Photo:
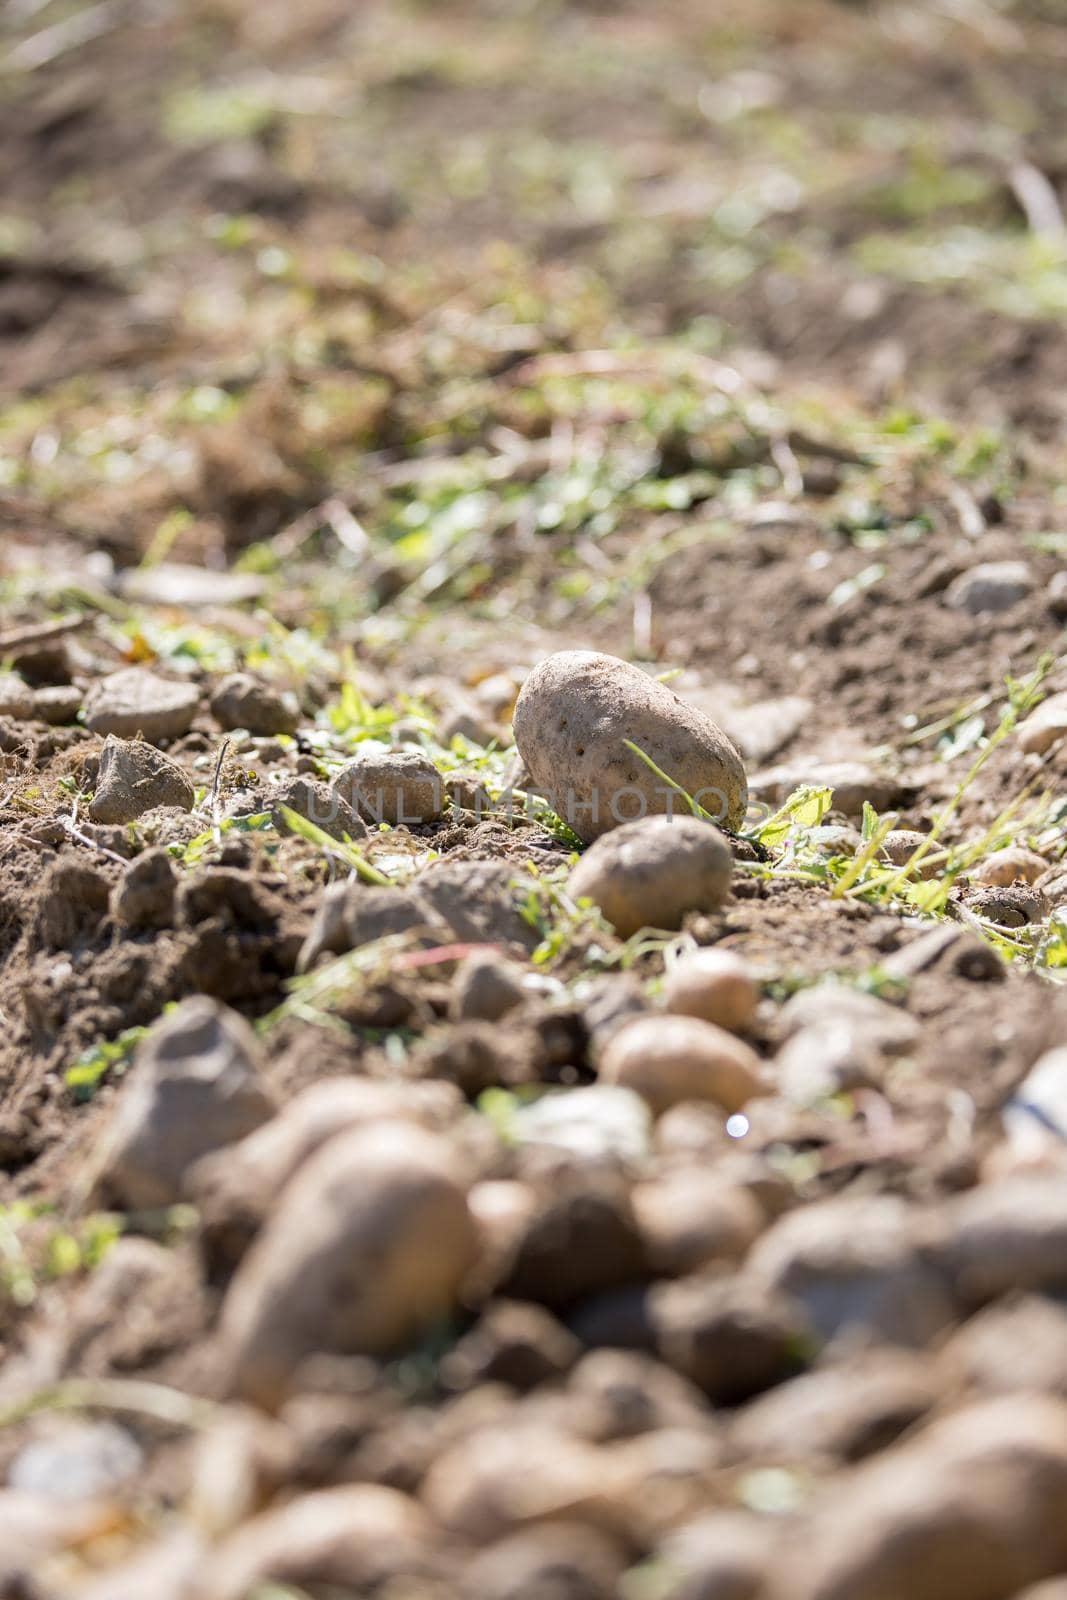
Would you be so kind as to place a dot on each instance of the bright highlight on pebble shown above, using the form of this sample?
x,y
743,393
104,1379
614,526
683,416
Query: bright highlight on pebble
x,y
737,1126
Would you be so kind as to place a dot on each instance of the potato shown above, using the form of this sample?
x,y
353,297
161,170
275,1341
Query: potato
x,y
571,720
368,1246
715,985
394,786
669,1059
649,874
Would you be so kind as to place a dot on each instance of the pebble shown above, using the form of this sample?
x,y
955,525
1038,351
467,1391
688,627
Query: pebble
x,y
854,1263
144,895
77,1461
970,1508
1013,906
1006,1236
135,777
730,1336
872,1022
170,583
762,729
1045,725
853,782
394,786
485,989
58,704
653,872
576,711
241,701
991,588
827,1059
593,1123
366,1248
900,844
669,1059
1057,593
715,985
316,802
196,1084
16,697
356,1539
135,701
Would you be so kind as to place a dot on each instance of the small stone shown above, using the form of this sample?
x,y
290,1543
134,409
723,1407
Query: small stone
x,y
827,1059
731,1337
690,1218
971,1508
1057,594
992,587
1045,726
852,782
900,844
195,1086
594,1122
1006,1236
77,1461
170,583
241,701
1035,1118
854,1263
955,950
356,1539
715,985
485,989
1011,865
581,1240
762,729
874,1022
555,1560
651,873
58,704
839,1413
1013,1345
316,802
135,701
394,786
518,1344
144,895
16,698
135,777
668,1059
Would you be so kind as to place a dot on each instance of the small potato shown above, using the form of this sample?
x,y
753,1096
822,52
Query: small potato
x,y
715,985
572,719
669,1059
394,786
367,1246
900,844
1011,865
649,874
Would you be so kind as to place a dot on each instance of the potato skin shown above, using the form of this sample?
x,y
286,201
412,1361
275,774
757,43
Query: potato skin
x,y
668,1059
576,710
649,874
366,1247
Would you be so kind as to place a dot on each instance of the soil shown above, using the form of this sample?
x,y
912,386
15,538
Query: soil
x,y
462,333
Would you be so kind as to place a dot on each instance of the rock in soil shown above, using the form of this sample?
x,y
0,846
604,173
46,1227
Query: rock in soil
x,y
1045,726
196,1084
485,989
136,702
144,896
366,1248
316,802
971,1508
576,712
652,873
993,587
241,701
16,697
135,777
394,786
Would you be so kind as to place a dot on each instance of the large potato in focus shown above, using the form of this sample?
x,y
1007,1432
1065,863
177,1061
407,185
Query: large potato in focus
x,y
576,710
367,1247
